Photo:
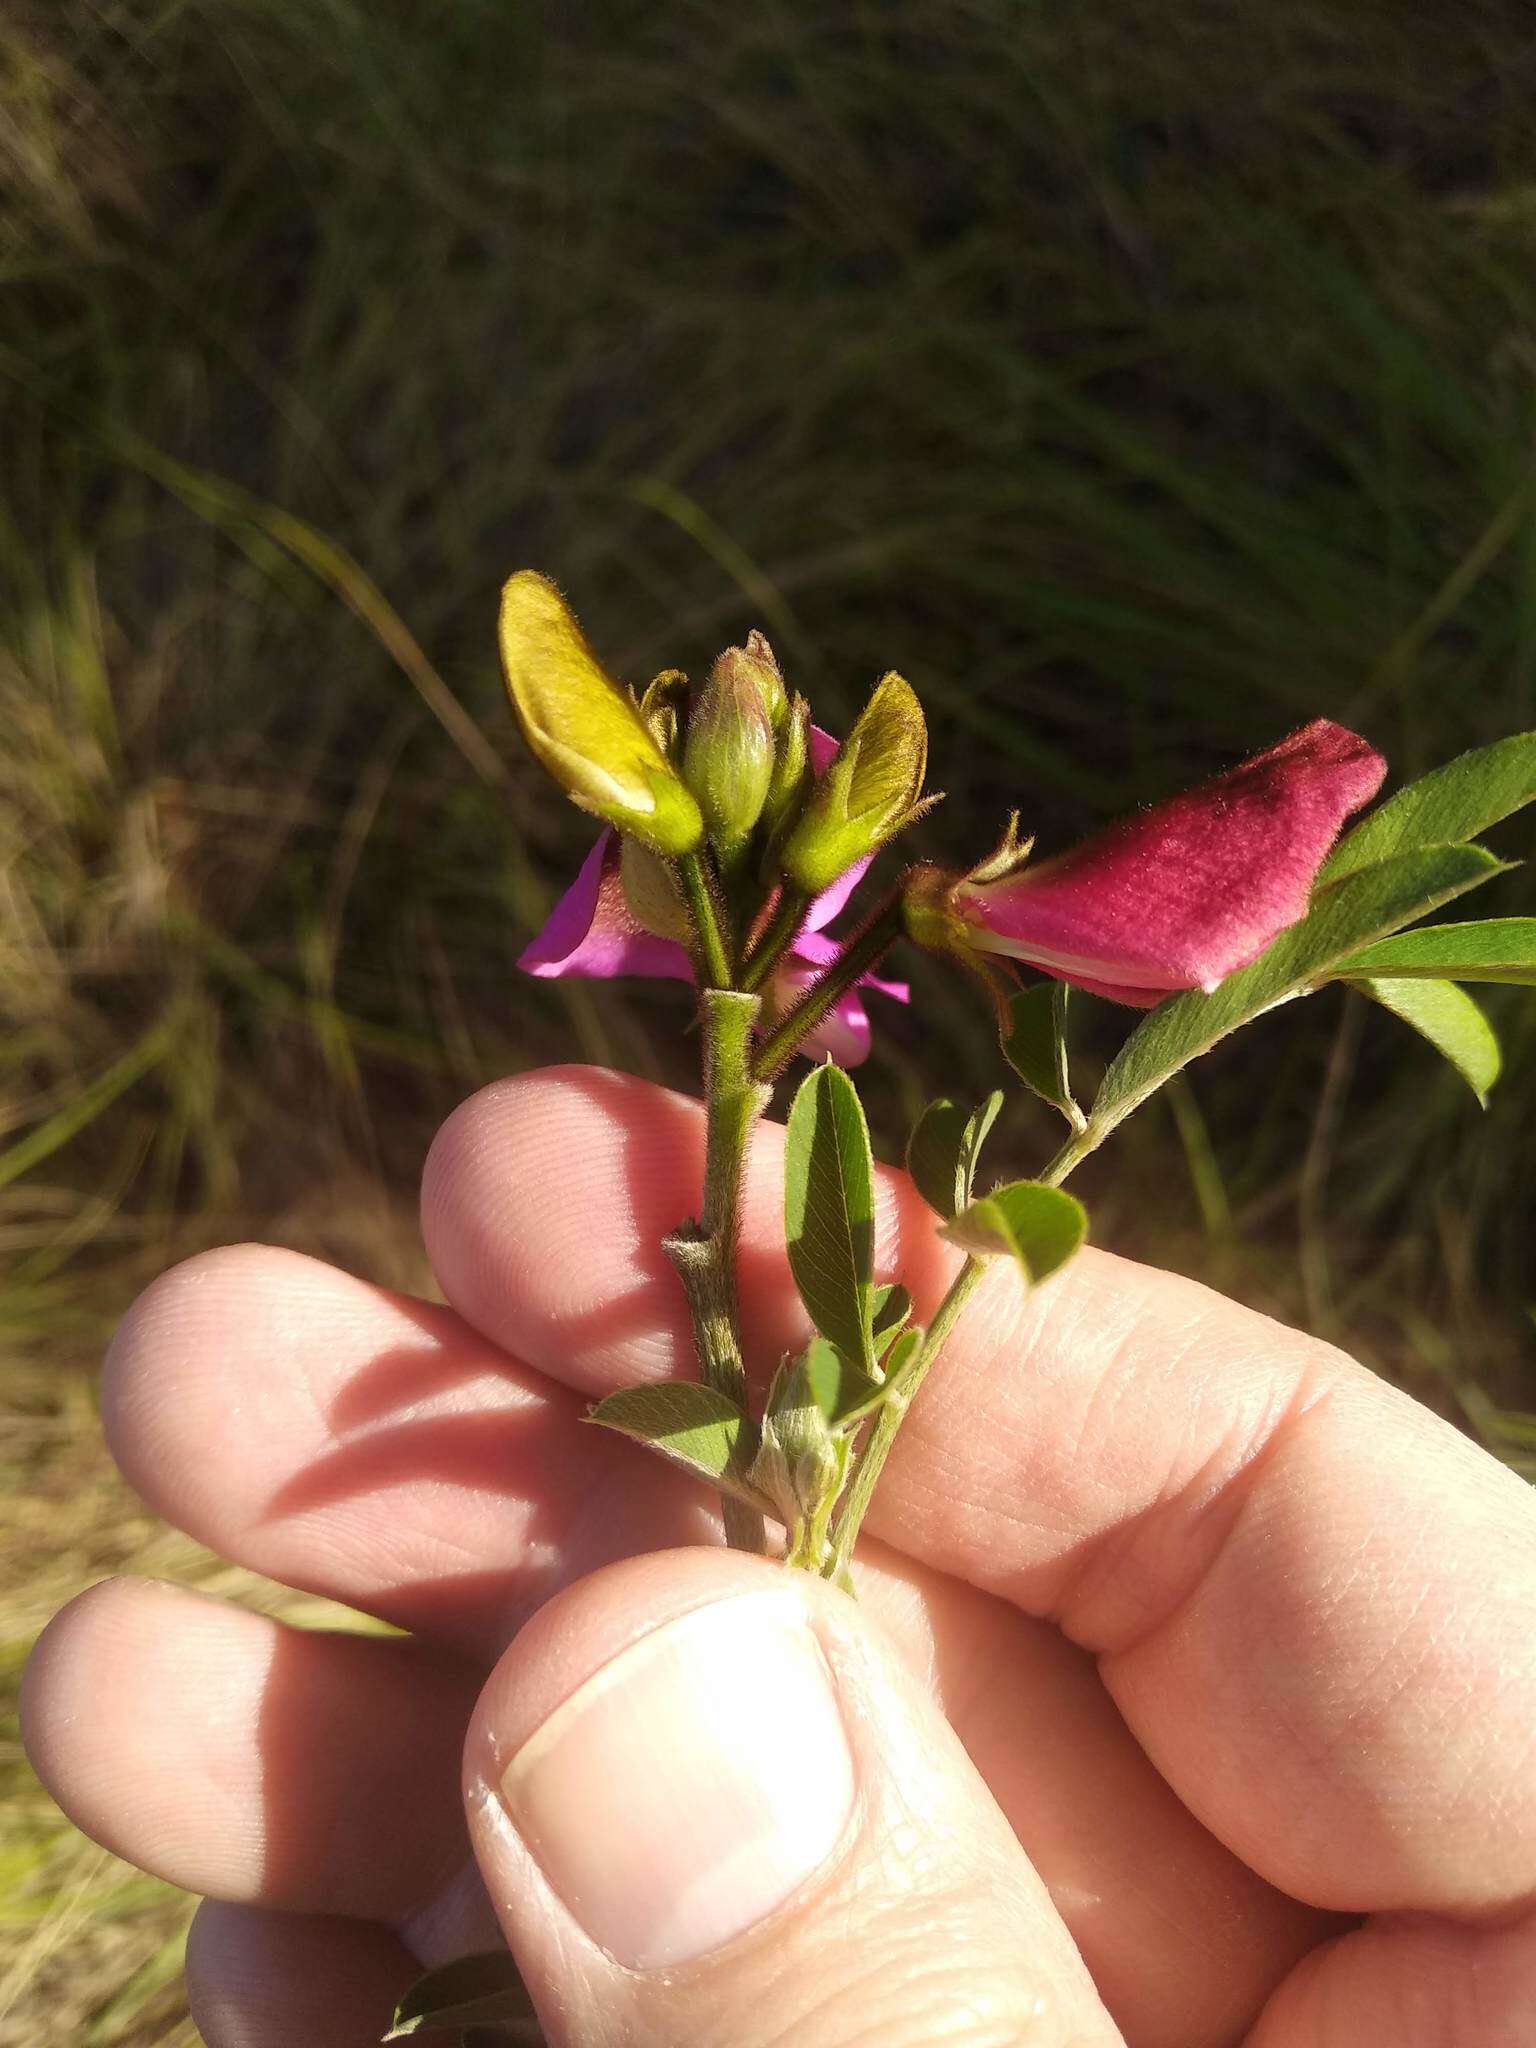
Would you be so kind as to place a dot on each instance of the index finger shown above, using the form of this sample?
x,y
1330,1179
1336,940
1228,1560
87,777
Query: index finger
x,y
1311,1599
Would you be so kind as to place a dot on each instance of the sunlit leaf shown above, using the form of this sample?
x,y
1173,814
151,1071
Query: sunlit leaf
x,y
840,1390
1453,803
693,1425
1352,913
1490,949
1040,1226
1451,1021
829,1210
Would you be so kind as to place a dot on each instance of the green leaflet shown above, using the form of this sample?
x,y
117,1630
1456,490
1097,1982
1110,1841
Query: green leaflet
x,y
694,1426
1035,1045
1353,912
1453,803
893,1309
1040,1226
1451,1021
840,1390
1491,949
945,1149
482,1996
829,1210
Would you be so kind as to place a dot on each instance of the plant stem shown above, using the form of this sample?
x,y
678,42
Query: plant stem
x,y
888,1417
705,1253
781,932
704,913
856,959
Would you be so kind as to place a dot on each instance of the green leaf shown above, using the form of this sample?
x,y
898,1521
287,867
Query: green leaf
x,y
694,1426
893,1309
1452,1022
840,1390
1353,912
1041,1226
829,1210
1492,949
1035,1045
900,1357
484,1992
1454,803
944,1151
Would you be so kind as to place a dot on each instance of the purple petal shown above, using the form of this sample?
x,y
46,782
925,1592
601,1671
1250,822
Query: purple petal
x,y
820,951
591,931
1182,895
844,1032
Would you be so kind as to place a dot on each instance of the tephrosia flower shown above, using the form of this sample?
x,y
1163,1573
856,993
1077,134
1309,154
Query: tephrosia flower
x,y
751,763
1177,897
594,932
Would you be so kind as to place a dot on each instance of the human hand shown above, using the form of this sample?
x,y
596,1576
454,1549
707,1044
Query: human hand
x,y
1232,1638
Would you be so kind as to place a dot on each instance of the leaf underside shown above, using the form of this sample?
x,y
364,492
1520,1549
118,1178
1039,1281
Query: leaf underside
x,y
1449,1019
693,1425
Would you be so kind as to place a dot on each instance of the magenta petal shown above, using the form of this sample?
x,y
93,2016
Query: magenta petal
x,y
1182,895
820,951
590,931
822,746
844,1032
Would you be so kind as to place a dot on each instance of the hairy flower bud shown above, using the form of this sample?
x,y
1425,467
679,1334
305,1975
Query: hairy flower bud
x,y
871,790
728,755
659,710
792,769
757,658
582,728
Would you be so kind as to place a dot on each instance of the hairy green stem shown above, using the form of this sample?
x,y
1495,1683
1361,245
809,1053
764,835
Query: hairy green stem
x,y
705,1253
782,930
714,957
862,951
889,1415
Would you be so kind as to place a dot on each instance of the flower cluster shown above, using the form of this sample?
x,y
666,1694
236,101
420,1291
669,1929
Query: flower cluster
x,y
1176,897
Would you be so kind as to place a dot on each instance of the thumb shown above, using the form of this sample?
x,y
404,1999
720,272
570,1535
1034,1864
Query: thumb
x,y
714,1810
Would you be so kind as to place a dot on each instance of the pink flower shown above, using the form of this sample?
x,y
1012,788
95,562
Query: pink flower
x,y
1180,896
591,932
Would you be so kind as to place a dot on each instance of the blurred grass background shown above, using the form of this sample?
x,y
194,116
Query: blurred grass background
x,y
1141,377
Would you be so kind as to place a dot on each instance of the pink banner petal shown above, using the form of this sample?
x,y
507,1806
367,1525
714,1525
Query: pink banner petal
x,y
1182,895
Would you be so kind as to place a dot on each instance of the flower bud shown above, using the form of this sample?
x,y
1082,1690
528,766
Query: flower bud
x,y
582,728
758,658
652,897
870,791
660,713
728,756
792,772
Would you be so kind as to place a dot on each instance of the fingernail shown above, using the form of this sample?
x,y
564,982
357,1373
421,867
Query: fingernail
x,y
690,1786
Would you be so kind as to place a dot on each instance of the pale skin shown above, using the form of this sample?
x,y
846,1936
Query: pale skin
x,y
1237,1642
